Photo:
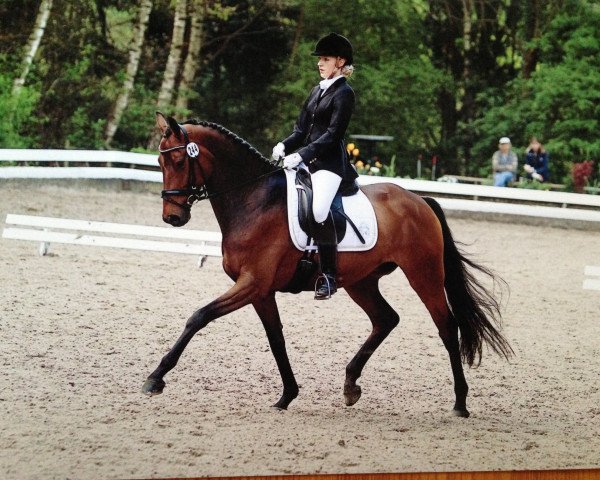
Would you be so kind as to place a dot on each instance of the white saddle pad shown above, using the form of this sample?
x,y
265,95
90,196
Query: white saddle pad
x,y
357,207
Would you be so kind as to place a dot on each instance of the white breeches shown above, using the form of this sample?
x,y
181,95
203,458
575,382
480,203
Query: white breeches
x,y
325,186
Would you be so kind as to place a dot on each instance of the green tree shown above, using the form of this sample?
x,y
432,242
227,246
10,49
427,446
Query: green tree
x,y
16,110
559,102
394,81
244,48
474,42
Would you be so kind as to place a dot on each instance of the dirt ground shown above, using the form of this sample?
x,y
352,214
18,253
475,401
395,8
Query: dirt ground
x,y
82,328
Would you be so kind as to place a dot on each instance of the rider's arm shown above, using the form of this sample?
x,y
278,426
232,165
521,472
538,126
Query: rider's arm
x,y
296,139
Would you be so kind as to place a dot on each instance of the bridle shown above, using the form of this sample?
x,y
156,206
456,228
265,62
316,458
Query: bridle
x,y
192,191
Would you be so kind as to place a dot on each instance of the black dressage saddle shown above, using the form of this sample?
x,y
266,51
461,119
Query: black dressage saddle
x,y
340,218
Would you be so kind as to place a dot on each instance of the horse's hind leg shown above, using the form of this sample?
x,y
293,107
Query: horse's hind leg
x,y
367,295
269,315
428,281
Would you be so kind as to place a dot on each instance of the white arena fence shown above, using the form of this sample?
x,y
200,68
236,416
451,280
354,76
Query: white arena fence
x,y
592,282
452,196
64,157
50,230
81,156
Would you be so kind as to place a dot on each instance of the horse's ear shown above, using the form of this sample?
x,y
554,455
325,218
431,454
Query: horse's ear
x,y
161,122
174,125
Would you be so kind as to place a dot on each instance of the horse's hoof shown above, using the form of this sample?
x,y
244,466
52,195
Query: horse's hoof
x,y
280,405
283,403
464,413
352,395
153,387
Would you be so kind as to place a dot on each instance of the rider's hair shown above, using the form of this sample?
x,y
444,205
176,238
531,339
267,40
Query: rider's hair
x,y
347,70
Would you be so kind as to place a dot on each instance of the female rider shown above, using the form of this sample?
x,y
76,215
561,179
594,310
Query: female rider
x,y
317,141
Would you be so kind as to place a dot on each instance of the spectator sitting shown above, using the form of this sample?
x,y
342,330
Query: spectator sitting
x,y
536,162
504,163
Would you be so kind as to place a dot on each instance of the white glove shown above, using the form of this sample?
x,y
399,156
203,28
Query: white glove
x,y
528,168
278,151
537,176
292,161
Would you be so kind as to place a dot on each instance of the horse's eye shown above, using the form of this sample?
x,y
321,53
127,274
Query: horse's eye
x,y
179,164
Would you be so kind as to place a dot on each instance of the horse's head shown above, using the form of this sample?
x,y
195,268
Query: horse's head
x,y
185,167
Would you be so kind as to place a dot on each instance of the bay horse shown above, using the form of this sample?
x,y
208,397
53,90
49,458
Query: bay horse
x,y
202,160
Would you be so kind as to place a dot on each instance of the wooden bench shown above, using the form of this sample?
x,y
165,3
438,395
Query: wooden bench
x,y
472,180
488,181
48,230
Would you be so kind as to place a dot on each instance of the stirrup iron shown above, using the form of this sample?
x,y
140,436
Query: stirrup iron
x,y
324,281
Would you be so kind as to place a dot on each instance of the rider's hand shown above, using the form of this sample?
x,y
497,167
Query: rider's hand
x,y
292,161
278,151
528,168
537,176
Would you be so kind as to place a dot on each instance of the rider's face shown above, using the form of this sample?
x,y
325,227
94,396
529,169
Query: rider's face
x,y
330,66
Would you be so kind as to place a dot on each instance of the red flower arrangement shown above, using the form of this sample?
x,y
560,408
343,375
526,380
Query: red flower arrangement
x,y
581,174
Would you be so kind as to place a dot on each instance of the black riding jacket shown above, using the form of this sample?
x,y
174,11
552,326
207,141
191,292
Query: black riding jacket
x,y
318,134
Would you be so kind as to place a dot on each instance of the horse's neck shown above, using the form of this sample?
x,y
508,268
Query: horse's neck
x,y
237,189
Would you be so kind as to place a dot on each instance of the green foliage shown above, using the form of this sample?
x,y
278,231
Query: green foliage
x,y
394,80
417,77
532,185
83,133
138,120
145,150
389,170
16,121
559,103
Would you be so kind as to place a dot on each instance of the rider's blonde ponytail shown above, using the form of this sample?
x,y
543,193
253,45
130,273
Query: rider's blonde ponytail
x,y
347,70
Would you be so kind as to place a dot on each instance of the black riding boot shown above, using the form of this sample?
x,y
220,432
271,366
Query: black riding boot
x,y
326,238
326,286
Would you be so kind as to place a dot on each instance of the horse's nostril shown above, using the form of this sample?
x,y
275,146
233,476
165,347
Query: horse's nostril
x,y
173,219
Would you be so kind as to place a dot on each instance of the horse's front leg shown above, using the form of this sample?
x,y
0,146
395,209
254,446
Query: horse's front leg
x,y
269,314
241,294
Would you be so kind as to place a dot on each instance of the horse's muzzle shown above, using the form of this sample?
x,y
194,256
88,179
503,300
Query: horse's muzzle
x,y
176,220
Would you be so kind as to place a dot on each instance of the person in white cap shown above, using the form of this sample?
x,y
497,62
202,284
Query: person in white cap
x,y
504,164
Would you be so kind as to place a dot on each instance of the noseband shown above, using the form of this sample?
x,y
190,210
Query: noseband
x,y
192,191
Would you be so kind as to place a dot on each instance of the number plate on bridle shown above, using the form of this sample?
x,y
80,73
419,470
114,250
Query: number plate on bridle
x,y
192,150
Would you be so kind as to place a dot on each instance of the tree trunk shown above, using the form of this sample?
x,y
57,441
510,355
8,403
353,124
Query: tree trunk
x,y
101,9
468,97
135,53
192,59
532,31
297,36
33,43
446,25
165,95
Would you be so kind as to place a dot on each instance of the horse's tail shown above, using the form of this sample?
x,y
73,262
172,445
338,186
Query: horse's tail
x,y
472,305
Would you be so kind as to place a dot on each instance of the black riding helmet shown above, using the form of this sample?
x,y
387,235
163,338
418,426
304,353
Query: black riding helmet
x,y
334,45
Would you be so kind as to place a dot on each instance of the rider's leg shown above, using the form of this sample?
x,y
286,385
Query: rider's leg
x,y
325,186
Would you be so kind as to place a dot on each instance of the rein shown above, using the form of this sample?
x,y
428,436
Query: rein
x,y
192,191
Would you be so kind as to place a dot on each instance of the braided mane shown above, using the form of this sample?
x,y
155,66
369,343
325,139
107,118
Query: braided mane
x,y
232,136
